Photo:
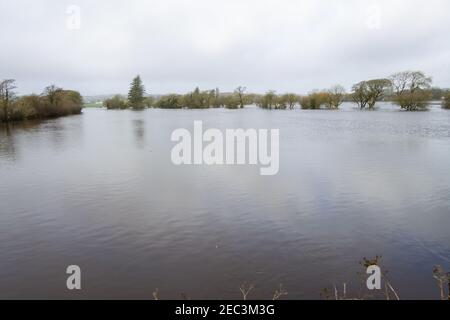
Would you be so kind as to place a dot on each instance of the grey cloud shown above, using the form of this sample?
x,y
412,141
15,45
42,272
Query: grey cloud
x,y
287,45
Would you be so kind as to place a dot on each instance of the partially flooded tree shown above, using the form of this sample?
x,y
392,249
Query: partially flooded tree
x,y
375,90
240,92
446,102
217,102
334,97
136,94
210,98
196,99
368,93
170,101
360,94
411,90
6,96
252,98
313,101
289,100
231,101
116,102
269,100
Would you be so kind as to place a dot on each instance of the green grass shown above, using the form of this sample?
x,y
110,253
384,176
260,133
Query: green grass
x,y
93,105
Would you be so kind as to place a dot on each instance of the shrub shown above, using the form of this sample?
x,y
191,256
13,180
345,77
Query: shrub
x,y
288,100
231,101
413,101
170,101
116,102
313,101
334,97
269,101
412,90
446,102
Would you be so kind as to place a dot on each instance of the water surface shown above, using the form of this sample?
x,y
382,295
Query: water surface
x,y
99,190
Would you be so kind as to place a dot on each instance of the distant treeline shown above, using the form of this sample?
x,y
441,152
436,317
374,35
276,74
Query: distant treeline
x,y
410,90
53,102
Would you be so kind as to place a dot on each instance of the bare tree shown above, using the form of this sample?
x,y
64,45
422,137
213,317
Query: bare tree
x,y
334,97
289,100
442,279
6,95
245,290
240,91
368,93
411,89
359,94
52,93
375,90
446,101
279,293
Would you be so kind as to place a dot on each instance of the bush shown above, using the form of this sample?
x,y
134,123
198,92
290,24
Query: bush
x,y
446,102
198,99
230,101
288,100
170,101
61,103
413,101
313,101
412,90
116,102
269,101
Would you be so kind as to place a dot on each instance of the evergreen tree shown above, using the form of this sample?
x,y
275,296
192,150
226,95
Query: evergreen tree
x,y
136,94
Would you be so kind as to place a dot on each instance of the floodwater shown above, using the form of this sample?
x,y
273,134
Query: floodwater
x,y
99,191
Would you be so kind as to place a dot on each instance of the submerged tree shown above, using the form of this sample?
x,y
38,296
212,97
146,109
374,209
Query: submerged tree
x,y
116,102
6,96
446,102
240,92
269,100
136,94
411,90
334,97
360,94
217,102
197,99
313,101
368,93
376,89
231,101
289,100
170,101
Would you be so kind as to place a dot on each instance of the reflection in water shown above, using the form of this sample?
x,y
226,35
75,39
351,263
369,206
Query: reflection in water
x,y
9,133
7,149
139,132
88,190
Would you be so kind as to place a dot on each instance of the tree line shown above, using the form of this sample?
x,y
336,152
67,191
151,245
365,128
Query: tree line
x,y
196,99
410,90
53,102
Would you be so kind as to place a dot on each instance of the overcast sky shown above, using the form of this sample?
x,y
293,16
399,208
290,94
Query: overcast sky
x,y
96,47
